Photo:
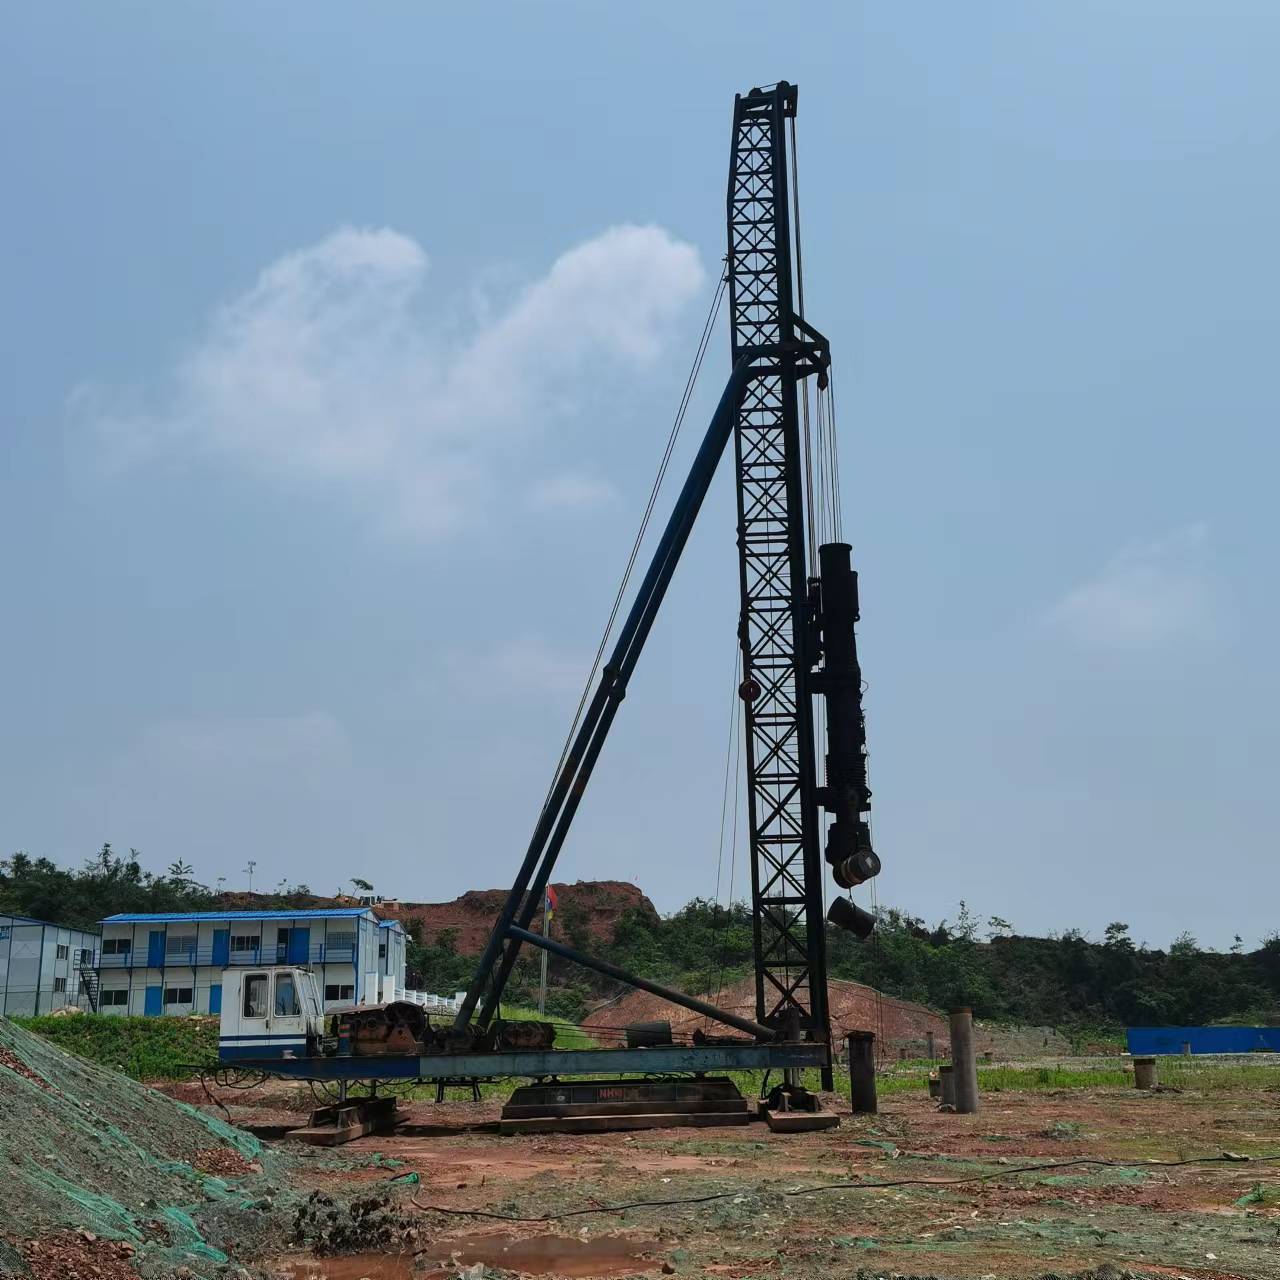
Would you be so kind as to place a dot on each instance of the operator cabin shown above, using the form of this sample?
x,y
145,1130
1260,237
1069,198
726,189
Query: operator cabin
x,y
174,963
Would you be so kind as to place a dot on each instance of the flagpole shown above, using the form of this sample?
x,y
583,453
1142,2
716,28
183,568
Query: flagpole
x,y
546,931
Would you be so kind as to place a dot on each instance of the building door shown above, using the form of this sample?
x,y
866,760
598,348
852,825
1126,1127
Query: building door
x,y
299,946
221,949
154,1005
215,998
155,949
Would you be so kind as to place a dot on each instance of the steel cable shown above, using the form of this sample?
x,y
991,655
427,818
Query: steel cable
x,y
686,397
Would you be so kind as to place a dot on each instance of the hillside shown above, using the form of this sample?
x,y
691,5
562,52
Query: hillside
x,y
590,910
1066,980
899,1025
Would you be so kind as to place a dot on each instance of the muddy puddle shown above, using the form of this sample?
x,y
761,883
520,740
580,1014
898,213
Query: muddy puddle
x,y
534,1255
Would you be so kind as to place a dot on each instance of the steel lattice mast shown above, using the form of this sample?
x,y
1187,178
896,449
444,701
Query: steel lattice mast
x,y
796,634
786,860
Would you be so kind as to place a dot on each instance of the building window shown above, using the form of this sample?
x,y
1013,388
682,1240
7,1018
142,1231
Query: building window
x,y
117,946
287,1005
86,956
245,942
63,952
179,944
342,941
255,995
178,995
382,951
339,991
59,984
112,998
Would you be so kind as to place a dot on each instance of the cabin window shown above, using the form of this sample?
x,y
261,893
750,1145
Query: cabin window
x,y
179,944
118,997
255,995
287,1005
339,991
178,995
117,946
245,942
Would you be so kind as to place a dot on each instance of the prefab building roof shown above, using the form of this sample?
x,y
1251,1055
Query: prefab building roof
x,y
197,917
47,924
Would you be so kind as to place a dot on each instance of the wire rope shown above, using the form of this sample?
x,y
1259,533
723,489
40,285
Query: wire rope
x,y
685,398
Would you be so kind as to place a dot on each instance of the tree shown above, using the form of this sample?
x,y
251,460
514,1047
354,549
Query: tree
x,y
363,885
1117,936
998,927
180,871
967,923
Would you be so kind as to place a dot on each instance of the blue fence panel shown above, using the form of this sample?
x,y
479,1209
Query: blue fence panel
x,y
1157,1040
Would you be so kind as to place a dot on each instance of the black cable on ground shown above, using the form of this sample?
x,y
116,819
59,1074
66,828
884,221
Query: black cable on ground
x,y
880,1185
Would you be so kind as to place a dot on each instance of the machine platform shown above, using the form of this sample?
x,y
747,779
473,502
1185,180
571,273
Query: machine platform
x,y
540,1064
593,1106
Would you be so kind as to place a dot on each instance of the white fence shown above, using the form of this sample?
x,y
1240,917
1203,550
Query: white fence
x,y
433,1003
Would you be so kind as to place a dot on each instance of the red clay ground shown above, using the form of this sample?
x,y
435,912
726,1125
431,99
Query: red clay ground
x,y
1201,1221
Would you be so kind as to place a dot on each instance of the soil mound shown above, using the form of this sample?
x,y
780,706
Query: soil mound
x,y
598,905
94,1160
899,1025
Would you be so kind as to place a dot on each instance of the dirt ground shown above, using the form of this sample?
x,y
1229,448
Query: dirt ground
x,y
767,1205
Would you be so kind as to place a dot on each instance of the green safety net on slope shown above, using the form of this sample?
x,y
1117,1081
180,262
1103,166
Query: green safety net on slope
x,y
84,1147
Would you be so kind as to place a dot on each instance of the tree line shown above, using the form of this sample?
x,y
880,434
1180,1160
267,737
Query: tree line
x,y
1066,980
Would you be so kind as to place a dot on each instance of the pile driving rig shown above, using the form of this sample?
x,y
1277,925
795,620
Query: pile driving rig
x,y
798,654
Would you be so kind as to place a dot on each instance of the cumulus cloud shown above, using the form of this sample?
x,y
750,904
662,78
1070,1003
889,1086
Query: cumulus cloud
x,y
330,373
1147,596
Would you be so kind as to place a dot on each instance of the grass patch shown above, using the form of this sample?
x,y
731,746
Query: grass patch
x,y
568,1036
144,1048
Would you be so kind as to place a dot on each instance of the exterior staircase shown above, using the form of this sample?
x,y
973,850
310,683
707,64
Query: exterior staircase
x,y
90,984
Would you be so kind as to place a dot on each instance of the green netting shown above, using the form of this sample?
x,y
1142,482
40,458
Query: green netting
x,y
84,1147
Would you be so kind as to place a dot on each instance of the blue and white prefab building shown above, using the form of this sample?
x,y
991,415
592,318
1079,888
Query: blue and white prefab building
x,y
173,963
43,966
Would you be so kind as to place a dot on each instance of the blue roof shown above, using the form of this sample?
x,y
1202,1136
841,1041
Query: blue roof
x,y
197,917
389,924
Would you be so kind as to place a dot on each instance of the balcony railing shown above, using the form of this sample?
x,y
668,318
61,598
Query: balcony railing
x,y
195,957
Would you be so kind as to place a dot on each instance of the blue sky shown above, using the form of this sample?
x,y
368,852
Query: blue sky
x,y
340,344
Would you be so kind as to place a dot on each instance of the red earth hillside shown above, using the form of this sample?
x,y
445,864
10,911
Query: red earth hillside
x,y
600,904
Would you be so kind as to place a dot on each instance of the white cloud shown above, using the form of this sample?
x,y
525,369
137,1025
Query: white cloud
x,y
248,744
216,790
528,664
1146,596
326,373
570,490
